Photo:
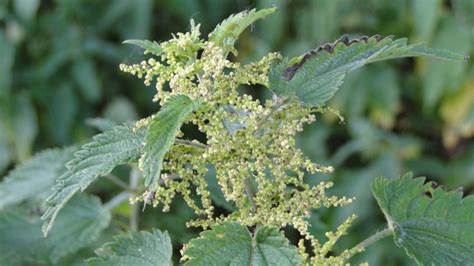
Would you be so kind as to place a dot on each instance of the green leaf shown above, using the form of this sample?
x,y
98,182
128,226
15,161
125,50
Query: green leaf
x,y
149,46
318,74
26,9
440,77
34,177
85,74
432,225
425,16
100,123
77,226
227,32
117,146
25,126
141,248
233,244
161,134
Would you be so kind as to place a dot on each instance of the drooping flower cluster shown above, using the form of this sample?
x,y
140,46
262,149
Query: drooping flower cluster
x,y
250,145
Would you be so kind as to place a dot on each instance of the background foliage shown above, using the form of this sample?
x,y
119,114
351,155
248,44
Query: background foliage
x,y
59,66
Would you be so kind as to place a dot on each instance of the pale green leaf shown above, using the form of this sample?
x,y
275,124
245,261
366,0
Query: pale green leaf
x,y
25,126
114,147
440,77
233,244
425,16
227,32
77,226
432,225
161,134
85,74
138,249
26,9
314,77
100,123
34,177
149,46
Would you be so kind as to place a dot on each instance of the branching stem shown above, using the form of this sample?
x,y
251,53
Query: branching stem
x,y
275,108
373,238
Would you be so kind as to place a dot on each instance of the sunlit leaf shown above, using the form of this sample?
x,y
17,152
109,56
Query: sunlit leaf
x,y
233,244
138,249
97,158
433,226
314,77
161,134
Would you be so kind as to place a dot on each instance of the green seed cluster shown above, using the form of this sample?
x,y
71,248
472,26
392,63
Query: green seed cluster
x,y
250,144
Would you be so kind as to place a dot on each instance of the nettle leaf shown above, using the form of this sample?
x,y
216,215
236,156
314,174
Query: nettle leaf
x,y
140,248
233,244
227,32
114,147
77,226
161,134
149,46
34,177
100,123
435,227
314,77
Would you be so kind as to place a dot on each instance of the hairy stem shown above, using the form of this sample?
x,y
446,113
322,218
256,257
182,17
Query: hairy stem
x,y
278,105
190,143
117,182
117,200
250,191
134,175
372,239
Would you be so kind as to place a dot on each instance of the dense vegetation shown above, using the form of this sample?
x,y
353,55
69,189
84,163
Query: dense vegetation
x,y
59,66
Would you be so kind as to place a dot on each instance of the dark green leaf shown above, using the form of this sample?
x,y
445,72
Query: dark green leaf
x,y
77,226
433,226
233,244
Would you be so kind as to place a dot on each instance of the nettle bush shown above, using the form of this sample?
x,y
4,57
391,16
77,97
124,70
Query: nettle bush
x,y
249,164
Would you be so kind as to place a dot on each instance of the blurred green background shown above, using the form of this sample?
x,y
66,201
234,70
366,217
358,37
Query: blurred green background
x,y
59,66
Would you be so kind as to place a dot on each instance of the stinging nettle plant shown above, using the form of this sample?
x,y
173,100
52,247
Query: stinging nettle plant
x,y
250,151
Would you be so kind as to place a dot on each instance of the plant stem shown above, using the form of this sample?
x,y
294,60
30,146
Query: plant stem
x,y
117,182
373,238
250,191
134,175
274,109
115,201
190,143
